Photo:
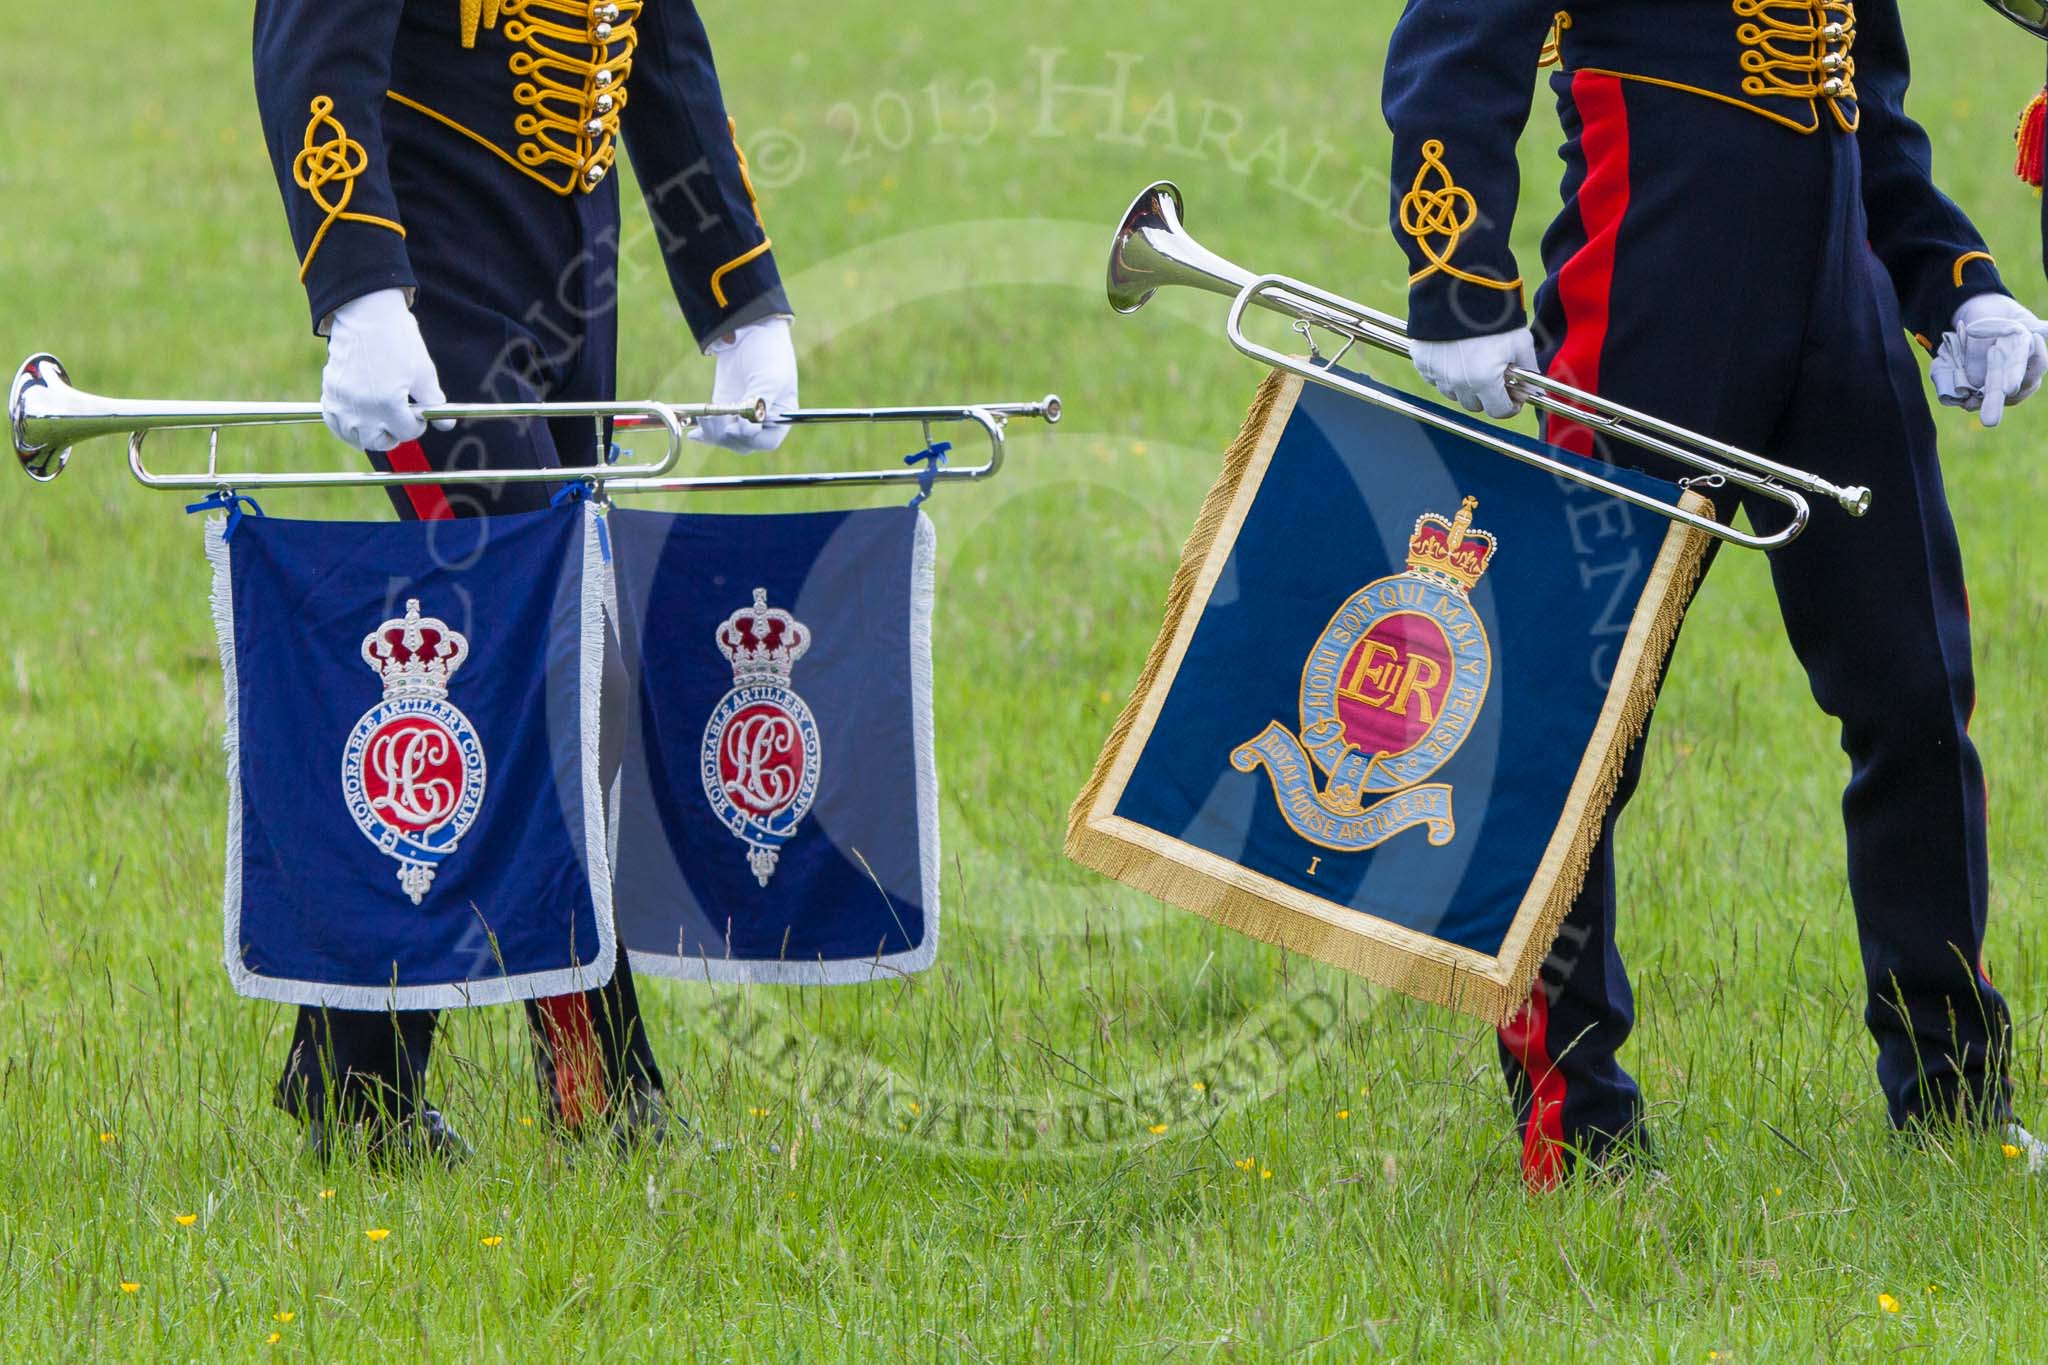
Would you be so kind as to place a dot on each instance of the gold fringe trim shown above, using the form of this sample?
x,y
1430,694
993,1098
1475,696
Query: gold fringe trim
x,y
1679,565
1375,949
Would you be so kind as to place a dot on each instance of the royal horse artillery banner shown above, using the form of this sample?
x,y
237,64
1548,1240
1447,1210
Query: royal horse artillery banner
x,y
779,800
1397,680
415,814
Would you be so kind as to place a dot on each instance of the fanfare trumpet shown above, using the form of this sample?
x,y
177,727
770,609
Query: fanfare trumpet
x,y
1152,250
47,416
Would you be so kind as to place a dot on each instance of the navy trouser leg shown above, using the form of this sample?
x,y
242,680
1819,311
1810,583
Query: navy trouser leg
x,y
1801,355
369,1063
1877,612
1647,219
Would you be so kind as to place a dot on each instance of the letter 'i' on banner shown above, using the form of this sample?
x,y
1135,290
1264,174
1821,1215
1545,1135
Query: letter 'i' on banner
x,y
415,812
779,800
1361,734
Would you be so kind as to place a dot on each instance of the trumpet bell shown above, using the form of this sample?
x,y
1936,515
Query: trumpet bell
x,y
40,452
2031,15
1152,250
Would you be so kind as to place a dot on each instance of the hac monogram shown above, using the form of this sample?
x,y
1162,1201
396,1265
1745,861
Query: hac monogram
x,y
761,757
412,771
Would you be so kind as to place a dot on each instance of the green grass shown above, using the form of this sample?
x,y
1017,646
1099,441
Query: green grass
x,y
963,1166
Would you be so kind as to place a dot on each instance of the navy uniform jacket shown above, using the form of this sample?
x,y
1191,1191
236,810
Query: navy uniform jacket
x,y
1461,74
542,91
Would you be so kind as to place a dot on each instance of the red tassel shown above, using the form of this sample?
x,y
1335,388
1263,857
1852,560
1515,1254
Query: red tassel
x,y
2031,139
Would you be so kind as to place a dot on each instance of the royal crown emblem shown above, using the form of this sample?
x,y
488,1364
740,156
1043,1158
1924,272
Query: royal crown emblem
x,y
412,772
1389,693
761,756
1450,552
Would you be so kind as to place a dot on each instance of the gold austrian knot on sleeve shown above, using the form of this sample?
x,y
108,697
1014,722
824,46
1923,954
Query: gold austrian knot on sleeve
x,y
1437,216
333,159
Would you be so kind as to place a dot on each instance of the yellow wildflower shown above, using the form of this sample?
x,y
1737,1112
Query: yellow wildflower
x,y
1157,1129
377,1234
760,1113
1265,1174
1887,1303
327,1194
1200,1086
186,1220
284,1315
2009,1150
526,1120
130,1286
1248,1163
273,1338
493,1240
106,1137
1343,1113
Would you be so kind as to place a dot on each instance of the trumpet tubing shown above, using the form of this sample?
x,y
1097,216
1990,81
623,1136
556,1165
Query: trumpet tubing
x,y
48,416
1152,250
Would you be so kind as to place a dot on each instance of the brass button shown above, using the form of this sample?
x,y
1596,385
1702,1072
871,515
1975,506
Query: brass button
x,y
594,128
608,14
604,78
604,104
594,176
1832,87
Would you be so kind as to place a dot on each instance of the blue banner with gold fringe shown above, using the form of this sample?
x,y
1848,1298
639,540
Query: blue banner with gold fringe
x,y
415,810
1397,679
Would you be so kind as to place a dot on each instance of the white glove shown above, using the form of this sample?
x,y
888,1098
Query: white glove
x,y
1993,359
757,361
1473,373
379,374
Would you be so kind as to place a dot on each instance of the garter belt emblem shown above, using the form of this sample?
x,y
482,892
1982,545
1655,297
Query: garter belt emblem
x,y
1390,691
412,771
760,758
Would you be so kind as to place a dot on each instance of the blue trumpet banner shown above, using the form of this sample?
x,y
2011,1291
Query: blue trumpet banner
x,y
778,802
415,812
1397,679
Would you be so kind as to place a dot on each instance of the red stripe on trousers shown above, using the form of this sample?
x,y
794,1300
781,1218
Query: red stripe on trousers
x,y
429,503
571,1032
1526,1039
1585,290
572,1046
1585,286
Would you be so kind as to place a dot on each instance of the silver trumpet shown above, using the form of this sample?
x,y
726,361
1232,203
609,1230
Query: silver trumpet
x,y
1152,250
48,416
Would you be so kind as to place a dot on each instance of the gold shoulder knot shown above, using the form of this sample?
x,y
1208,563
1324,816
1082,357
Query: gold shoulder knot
x,y
474,13
1552,55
